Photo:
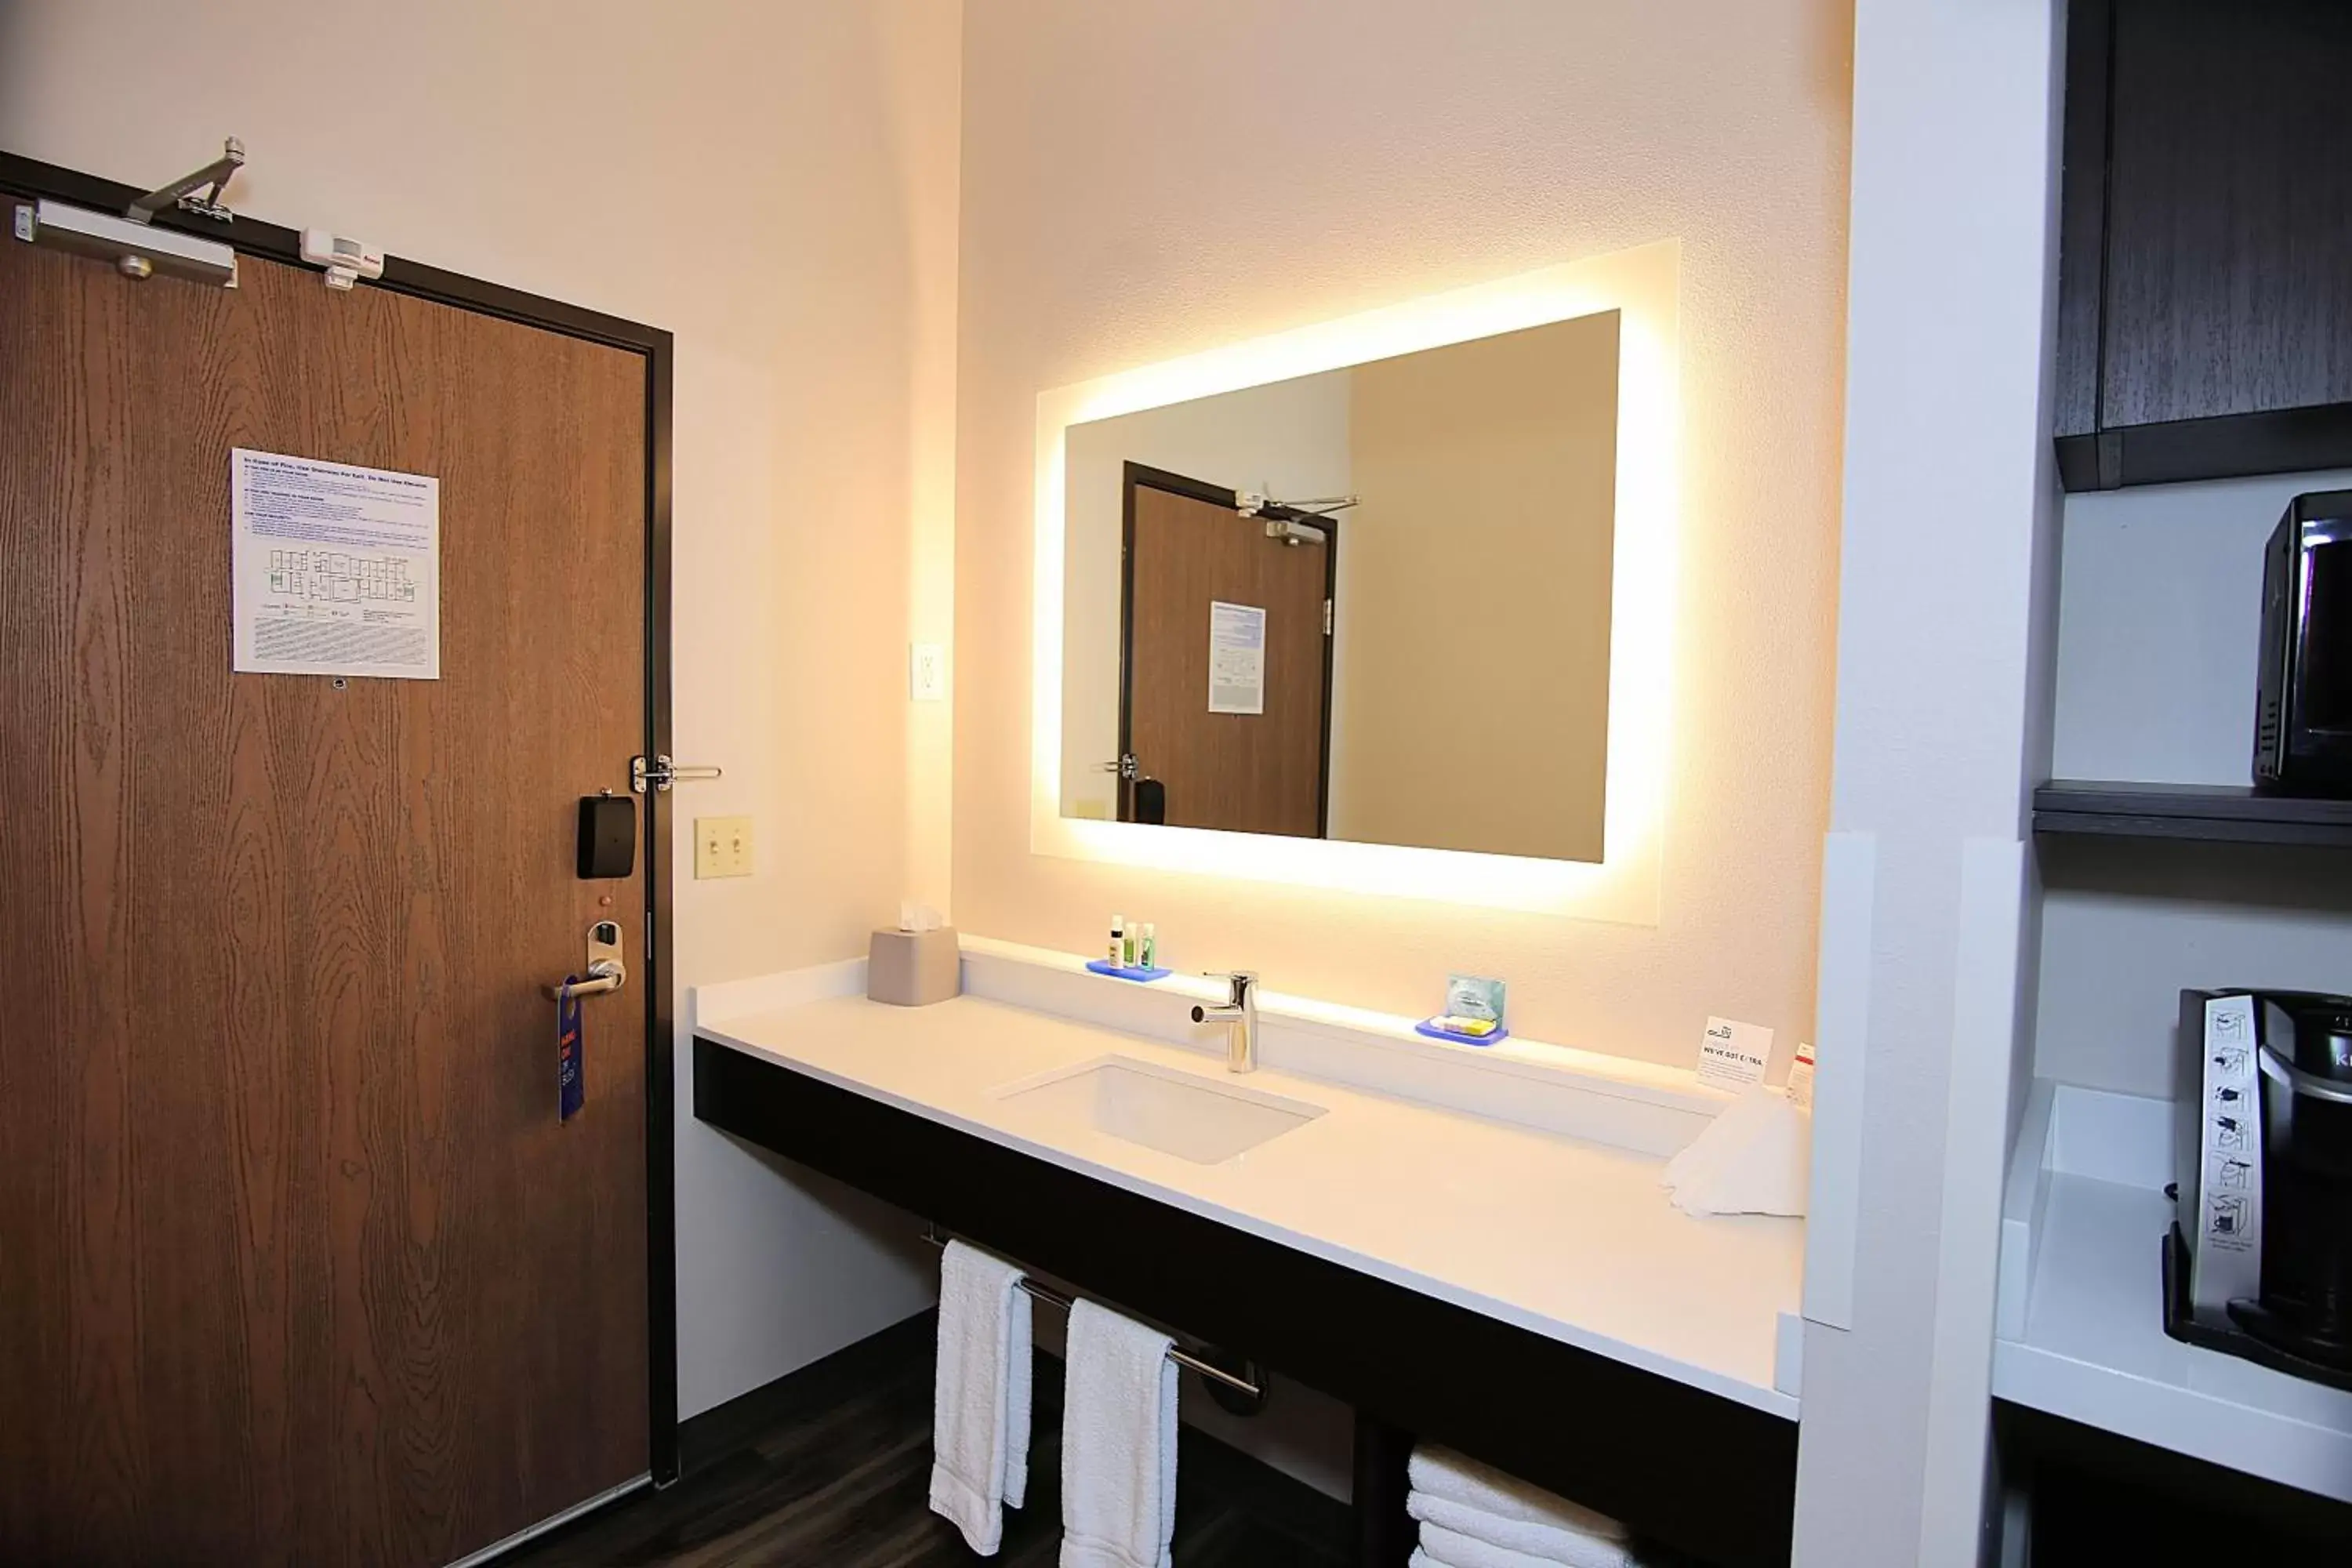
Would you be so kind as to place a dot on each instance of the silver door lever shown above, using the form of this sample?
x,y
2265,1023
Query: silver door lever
x,y
603,970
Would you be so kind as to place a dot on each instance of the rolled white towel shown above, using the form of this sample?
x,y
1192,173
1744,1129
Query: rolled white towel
x,y
1523,1537
1452,1549
1458,1478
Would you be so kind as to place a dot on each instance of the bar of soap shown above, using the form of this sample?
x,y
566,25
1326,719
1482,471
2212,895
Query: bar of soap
x,y
1462,1025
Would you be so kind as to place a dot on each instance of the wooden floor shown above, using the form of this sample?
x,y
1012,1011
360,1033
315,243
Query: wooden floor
x,y
836,1472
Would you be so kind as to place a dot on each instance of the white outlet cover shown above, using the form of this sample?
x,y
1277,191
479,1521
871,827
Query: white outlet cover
x,y
927,672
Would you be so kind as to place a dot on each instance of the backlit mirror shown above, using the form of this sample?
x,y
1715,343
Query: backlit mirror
x,y
1369,604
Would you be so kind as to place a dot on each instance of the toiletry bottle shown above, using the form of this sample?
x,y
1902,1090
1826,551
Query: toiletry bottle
x,y
1128,947
1117,940
1150,954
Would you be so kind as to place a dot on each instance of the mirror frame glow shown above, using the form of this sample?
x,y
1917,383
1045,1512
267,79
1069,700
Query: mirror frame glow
x,y
1644,284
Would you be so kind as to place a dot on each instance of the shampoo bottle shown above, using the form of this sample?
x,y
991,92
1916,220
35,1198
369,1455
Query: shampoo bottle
x,y
1117,940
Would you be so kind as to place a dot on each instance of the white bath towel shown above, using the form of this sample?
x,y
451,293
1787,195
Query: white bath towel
x,y
1118,1444
1524,1540
1457,1478
1452,1549
980,1396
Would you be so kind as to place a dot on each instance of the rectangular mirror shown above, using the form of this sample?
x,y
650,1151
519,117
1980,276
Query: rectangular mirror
x,y
1368,605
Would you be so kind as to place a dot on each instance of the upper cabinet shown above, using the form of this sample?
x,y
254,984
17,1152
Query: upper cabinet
x,y
2205,275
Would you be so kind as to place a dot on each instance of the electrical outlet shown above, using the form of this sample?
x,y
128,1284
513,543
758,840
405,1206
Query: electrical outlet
x,y
722,847
927,672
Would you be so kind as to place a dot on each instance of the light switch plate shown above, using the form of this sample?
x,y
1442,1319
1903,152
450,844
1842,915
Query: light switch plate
x,y
722,847
927,672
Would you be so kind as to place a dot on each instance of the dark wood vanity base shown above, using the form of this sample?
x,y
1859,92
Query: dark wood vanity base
x,y
1703,1474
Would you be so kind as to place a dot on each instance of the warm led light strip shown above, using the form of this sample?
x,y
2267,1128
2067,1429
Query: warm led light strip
x,y
1644,284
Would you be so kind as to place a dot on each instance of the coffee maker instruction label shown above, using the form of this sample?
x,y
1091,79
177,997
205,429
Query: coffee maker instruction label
x,y
1236,658
336,568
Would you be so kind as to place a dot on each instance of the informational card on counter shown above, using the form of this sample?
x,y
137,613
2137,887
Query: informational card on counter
x,y
336,568
1236,658
1732,1055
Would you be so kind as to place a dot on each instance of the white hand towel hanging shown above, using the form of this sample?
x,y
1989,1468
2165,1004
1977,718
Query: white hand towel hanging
x,y
980,1396
1118,1444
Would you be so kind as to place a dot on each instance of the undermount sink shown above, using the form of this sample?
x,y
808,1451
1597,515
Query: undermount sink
x,y
1184,1114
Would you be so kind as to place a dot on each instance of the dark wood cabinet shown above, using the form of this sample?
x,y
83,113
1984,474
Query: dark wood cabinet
x,y
2205,278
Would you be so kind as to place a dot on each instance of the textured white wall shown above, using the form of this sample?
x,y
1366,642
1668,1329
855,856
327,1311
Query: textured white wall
x,y
1152,178
776,185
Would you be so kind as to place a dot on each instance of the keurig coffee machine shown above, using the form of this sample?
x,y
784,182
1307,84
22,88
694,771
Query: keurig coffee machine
x,y
2259,1262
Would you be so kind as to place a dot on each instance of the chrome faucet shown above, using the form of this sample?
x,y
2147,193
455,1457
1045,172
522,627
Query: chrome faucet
x,y
1239,1016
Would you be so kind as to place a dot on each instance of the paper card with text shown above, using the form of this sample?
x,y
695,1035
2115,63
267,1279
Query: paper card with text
x,y
1732,1055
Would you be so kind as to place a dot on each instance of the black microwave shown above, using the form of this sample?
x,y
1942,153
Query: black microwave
x,y
2303,727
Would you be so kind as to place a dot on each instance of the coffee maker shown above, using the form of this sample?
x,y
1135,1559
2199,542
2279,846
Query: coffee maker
x,y
2259,1262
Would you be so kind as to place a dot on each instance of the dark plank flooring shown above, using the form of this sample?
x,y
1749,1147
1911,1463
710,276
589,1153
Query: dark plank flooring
x,y
833,1468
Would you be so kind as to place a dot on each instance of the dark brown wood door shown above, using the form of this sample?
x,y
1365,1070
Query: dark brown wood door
x,y
296,1265
1250,773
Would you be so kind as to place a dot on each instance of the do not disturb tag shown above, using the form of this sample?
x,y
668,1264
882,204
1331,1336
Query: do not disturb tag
x,y
570,1089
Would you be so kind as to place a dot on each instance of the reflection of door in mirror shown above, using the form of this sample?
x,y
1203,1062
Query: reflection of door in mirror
x,y
1225,681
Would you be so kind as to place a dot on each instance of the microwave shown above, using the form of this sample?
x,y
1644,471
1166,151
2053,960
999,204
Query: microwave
x,y
2303,727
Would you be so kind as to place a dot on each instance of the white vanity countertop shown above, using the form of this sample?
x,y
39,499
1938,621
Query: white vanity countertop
x,y
1570,1239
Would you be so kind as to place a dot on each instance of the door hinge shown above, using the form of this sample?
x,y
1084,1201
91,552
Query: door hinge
x,y
659,773
1327,617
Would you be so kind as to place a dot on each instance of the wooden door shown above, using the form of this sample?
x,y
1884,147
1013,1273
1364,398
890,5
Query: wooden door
x,y
296,1265
1251,772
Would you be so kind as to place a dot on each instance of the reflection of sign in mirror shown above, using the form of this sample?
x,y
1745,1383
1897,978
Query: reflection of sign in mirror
x,y
1407,569
1236,658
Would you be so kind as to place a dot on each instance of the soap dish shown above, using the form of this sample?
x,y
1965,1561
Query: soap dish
x,y
1120,972
1429,1027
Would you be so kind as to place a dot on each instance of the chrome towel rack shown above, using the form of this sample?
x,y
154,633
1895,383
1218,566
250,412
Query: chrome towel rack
x,y
1191,1364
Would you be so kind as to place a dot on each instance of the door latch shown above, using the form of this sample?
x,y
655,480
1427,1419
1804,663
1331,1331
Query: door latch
x,y
658,773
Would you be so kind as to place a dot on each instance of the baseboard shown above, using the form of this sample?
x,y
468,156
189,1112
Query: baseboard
x,y
724,1428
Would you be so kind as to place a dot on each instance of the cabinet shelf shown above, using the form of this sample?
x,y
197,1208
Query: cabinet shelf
x,y
2212,813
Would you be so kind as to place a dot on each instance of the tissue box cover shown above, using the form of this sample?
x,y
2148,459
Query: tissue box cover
x,y
913,968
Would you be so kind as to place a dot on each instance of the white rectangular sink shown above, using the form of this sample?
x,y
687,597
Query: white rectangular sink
x,y
1185,1114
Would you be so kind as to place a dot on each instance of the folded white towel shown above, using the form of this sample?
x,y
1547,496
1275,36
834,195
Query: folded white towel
x,y
1520,1541
1452,1549
1118,1444
1753,1158
1457,1478
980,1396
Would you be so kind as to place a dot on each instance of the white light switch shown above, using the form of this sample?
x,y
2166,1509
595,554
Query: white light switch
x,y
927,672
722,847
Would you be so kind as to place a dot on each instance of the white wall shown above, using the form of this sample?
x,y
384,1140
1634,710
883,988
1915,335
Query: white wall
x,y
1155,177
2161,605
1286,439
777,186
1947,585
2161,610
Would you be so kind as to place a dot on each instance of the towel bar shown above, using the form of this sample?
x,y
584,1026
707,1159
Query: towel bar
x,y
1055,1299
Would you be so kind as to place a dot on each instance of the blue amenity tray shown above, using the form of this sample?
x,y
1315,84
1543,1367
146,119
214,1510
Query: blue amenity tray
x,y
1427,1027
1118,972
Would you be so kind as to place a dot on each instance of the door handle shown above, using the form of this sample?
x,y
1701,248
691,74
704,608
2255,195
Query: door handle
x,y
603,970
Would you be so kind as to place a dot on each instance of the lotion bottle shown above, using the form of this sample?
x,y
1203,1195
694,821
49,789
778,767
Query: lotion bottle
x,y
1117,940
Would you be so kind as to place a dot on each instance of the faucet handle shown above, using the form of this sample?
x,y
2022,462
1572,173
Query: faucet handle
x,y
1238,982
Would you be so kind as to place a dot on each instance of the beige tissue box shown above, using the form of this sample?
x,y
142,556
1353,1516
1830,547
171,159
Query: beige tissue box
x,y
913,968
